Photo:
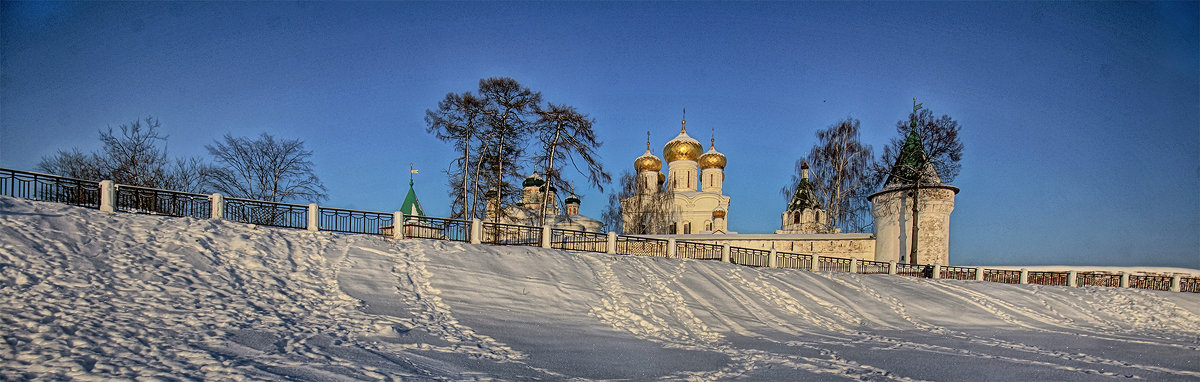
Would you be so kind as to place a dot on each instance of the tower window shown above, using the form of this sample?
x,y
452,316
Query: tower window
x,y
687,228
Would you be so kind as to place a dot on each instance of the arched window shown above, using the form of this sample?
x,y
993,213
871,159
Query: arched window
x,y
671,228
795,218
708,226
687,228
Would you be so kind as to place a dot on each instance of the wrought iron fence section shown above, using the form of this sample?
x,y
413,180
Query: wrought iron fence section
x,y
50,188
1150,282
1002,276
153,201
1097,279
793,260
633,245
748,256
423,227
1189,284
913,270
578,240
833,264
869,267
266,213
1048,278
510,234
698,251
957,273
353,221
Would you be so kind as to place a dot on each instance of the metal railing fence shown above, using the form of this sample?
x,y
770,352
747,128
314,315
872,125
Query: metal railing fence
x,y
793,260
633,245
353,221
957,273
869,267
1097,279
49,188
266,213
578,240
437,228
511,234
1049,278
748,256
1150,282
1002,276
913,270
833,264
697,251
154,201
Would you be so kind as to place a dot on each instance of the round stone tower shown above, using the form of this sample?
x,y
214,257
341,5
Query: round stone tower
x,y
913,192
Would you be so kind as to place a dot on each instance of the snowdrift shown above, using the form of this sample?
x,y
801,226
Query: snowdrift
x,y
96,296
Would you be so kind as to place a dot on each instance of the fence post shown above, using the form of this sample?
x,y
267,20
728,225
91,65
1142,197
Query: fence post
x,y
476,231
612,243
853,264
1024,276
546,236
218,205
671,248
892,267
978,273
816,263
725,253
1175,281
937,271
772,259
314,215
108,196
397,225
1124,279
1071,278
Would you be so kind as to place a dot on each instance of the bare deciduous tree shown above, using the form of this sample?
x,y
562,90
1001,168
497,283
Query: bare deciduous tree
x,y
264,169
567,135
840,175
508,113
459,119
633,211
130,155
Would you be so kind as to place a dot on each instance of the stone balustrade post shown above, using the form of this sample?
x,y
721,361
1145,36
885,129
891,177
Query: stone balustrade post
x,y
546,236
108,196
816,263
853,265
1176,280
476,231
937,271
892,267
1071,278
218,205
397,225
1124,279
671,248
978,273
612,243
1024,276
725,258
772,259
314,217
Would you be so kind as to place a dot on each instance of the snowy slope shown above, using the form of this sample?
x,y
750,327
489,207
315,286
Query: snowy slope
x,y
92,295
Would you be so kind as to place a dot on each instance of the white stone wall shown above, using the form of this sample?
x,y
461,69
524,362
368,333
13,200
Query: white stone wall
x,y
893,225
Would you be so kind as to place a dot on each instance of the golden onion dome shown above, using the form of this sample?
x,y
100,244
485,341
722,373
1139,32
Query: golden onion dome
x,y
682,147
718,214
647,162
712,158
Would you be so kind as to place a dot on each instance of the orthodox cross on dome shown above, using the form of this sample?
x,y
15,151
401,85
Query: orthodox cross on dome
x,y
683,128
647,140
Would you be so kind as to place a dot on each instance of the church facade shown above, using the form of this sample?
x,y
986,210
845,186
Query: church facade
x,y
690,193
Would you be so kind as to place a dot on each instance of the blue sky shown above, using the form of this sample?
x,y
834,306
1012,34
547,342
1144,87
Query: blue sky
x,y
1081,121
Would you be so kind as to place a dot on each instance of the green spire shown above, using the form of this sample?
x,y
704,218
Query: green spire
x,y
804,197
411,205
912,159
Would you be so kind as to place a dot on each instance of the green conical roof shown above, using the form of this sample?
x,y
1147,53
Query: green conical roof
x,y
411,205
912,159
804,197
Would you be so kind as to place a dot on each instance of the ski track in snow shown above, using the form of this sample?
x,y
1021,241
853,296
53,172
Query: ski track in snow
x,y
86,295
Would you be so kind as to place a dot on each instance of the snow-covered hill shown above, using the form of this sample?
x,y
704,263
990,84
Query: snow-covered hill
x,y
92,295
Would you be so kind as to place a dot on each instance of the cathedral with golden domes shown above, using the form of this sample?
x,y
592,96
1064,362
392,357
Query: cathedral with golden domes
x,y
690,191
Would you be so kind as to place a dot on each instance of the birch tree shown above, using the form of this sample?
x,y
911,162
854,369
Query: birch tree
x,y
508,112
458,120
841,175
